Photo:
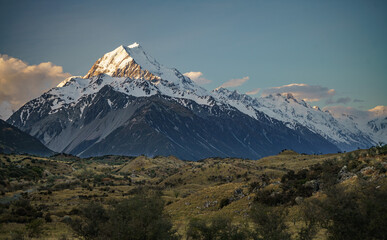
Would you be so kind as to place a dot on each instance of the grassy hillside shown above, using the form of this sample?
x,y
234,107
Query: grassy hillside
x,y
40,197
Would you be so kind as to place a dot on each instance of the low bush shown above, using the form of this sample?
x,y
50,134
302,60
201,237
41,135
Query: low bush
x,y
216,228
139,217
269,222
20,211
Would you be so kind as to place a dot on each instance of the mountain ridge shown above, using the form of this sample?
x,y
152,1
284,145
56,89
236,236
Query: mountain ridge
x,y
122,82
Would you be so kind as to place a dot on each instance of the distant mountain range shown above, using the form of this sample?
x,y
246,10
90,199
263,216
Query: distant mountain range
x,y
129,104
12,140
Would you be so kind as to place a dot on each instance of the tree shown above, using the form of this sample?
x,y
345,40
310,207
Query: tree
x,y
140,217
91,224
313,216
359,213
216,228
269,222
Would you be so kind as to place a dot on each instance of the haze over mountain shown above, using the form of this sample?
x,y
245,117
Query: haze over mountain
x,y
129,104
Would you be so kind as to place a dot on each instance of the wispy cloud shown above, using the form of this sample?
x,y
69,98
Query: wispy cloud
x,y
358,100
21,82
342,100
253,92
311,93
234,82
197,77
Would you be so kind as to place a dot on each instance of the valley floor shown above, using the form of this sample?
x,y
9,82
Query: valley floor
x,y
40,197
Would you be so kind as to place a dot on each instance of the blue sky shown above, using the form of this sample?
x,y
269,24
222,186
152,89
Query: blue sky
x,y
324,45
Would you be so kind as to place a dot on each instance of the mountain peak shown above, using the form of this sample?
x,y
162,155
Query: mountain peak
x,y
289,96
124,62
221,90
134,45
133,62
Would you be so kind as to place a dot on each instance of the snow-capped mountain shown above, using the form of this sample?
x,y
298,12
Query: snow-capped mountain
x,y
130,104
370,124
293,112
378,127
131,71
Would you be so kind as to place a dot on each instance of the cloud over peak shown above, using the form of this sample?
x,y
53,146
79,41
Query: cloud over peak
x,y
234,82
253,92
197,77
310,93
379,111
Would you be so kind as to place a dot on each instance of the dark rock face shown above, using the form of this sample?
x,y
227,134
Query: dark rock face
x,y
115,123
12,140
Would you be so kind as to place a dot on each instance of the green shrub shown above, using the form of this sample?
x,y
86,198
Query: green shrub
x,y
20,211
139,217
35,228
21,172
354,214
312,216
224,202
269,222
358,212
216,228
91,223
273,198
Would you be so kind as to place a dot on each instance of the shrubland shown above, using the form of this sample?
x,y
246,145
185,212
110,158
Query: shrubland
x,y
286,196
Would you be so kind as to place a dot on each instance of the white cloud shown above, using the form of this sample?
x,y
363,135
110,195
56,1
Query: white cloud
x,y
379,111
234,82
311,93
253,92
197,77
21,82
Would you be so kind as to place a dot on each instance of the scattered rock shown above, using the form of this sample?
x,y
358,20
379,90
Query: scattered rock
x,y
299,200
344,174
367,170
208,204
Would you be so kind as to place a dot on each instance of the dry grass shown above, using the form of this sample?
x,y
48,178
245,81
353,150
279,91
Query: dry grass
x,y
190,189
